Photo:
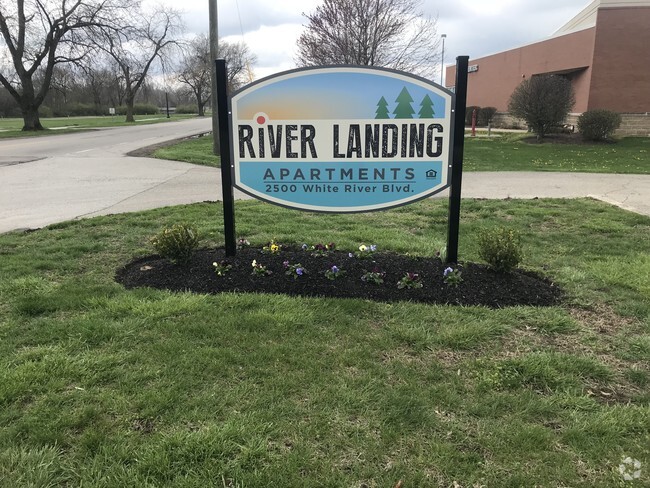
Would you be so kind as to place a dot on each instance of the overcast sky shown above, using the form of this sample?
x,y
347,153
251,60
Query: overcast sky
x,y
473,27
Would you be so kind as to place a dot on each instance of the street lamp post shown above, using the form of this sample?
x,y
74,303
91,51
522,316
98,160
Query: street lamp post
x,y
442,64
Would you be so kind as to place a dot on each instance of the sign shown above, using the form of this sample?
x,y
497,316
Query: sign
x,y
111,111
472,68
341,139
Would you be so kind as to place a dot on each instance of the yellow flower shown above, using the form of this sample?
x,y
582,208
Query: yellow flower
x,y
275,247
363,248
254,263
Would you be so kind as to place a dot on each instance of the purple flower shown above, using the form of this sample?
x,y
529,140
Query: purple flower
x,y
373,248
285,264
299,271
334,269
304,247
350,255
447,271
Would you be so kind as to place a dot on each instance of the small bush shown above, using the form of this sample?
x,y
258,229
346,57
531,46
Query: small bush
x,y
500,248
485,115
598,125
176,243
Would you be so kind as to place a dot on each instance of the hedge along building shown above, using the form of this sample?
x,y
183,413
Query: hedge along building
x,y
604,51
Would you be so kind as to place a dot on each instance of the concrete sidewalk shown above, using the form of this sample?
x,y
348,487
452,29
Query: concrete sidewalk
x,y
631,192
53,190
95,178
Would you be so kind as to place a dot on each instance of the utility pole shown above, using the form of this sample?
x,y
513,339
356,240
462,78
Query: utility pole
x,y
214,51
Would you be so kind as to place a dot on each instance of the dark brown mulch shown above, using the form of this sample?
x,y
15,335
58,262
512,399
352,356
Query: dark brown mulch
x,y
480,286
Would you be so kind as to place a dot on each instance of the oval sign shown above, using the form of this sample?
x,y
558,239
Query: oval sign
x,y
342,139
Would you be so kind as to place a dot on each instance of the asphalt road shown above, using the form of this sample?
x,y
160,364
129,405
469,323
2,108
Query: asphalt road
x,y
51,179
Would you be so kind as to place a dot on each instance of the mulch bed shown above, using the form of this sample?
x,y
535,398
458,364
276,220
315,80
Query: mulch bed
x,y
480,286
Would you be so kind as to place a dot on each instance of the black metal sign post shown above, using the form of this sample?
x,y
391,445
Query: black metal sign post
x,y
226,159
453,221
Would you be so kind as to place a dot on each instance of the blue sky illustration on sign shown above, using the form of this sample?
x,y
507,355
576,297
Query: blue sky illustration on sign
x,y
334,96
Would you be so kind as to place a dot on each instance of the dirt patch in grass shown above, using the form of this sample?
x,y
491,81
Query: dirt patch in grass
x,y
480,285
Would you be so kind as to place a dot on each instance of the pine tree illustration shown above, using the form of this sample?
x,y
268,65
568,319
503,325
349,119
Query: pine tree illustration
x,y
426,110
404,110
382,109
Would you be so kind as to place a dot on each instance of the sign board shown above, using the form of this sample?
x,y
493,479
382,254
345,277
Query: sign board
x,y
111,111
341,139
472,68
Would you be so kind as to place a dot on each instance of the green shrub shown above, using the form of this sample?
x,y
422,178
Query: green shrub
x,y
85,109
485,115
598,125
187,109
176,243
139,109
44,111
500,248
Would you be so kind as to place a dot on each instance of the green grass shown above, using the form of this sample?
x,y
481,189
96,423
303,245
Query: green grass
x,y
197,151
499,153
105,387
510,153
62,125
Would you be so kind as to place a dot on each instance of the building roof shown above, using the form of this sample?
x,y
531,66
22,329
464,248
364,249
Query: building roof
x,y
587,16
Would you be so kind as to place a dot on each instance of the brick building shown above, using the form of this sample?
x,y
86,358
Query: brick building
x,y
604,51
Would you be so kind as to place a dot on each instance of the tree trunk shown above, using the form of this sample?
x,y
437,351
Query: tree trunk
x,y
31,120
129,111
200,105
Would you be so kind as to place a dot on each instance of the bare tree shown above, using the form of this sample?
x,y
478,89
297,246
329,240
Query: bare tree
x,y
388,33
40,34
543,101
196,67
135,47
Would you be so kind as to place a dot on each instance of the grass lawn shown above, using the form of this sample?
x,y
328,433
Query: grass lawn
x,y
510,153
197,151
499,153
105,387
60,125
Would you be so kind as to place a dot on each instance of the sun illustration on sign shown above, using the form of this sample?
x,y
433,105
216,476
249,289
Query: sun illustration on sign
x,y
261,118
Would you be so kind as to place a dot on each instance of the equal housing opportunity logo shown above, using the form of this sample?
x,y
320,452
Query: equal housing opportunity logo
x,y
344,139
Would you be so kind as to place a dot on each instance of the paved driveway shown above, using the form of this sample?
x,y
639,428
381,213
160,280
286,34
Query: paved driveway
x,y
56,178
